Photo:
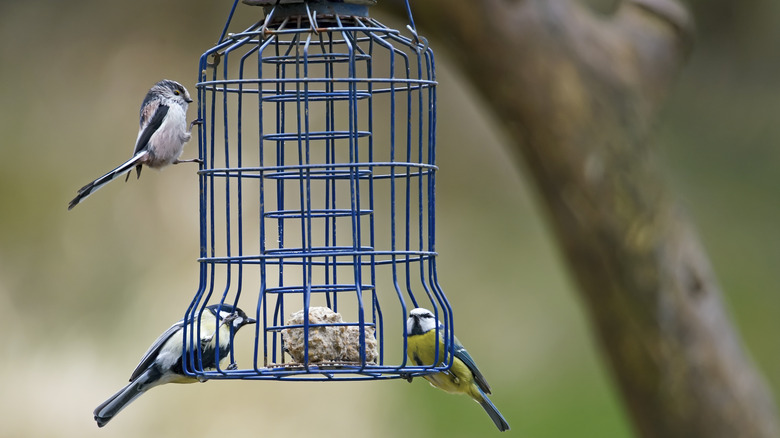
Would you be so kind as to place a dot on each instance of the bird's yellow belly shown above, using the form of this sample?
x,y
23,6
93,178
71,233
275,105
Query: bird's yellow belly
x,y
422,351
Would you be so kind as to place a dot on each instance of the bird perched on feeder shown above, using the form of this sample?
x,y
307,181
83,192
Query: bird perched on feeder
x,y
463,377
161,136
162,363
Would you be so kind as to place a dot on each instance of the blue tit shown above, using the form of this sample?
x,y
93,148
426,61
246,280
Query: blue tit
x,y
161,136
463,377
162,363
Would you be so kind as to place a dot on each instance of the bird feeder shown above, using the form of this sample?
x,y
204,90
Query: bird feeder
x,y
317,201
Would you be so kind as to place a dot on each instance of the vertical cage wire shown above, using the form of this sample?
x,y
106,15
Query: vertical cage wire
x,y
317,189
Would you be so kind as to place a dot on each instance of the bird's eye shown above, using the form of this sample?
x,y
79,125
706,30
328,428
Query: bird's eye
x,y
176,92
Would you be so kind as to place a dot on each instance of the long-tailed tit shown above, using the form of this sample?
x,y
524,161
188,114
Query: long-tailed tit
x,y
161,137
163,362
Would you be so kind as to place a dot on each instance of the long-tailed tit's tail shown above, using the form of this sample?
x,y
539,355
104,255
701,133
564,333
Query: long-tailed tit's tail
x,y
95,185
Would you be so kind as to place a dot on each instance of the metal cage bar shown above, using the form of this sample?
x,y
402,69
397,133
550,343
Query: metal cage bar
x,y
317,189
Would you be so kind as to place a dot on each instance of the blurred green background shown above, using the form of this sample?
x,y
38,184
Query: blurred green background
x,y
76,287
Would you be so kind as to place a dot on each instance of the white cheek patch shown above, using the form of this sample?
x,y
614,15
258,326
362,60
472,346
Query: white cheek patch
x,y
409,325
427,324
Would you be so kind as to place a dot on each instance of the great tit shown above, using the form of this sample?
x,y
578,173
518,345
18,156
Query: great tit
x,y
162,363
463,377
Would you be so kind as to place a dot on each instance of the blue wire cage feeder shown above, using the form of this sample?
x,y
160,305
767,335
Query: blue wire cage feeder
x,y
317,191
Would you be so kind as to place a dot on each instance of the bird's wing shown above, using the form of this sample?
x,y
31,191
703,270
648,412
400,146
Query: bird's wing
x,y
151,354
155,114
459,351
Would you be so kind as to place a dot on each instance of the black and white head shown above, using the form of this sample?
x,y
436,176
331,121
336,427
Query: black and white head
x,y
420,321
171,91
228,314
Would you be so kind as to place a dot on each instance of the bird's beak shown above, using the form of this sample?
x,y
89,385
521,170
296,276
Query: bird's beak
x,y
233,317
188,100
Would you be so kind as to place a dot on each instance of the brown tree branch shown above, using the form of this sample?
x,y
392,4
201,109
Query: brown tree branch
x,y
579,95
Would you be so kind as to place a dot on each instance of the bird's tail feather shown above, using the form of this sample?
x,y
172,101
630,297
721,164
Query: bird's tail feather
x,y
95,185
109,408
492,411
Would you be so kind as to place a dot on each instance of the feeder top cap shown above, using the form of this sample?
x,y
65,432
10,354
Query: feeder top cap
x,y
283,2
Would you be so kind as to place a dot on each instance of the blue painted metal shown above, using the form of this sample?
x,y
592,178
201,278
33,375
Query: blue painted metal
x,y
318,187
